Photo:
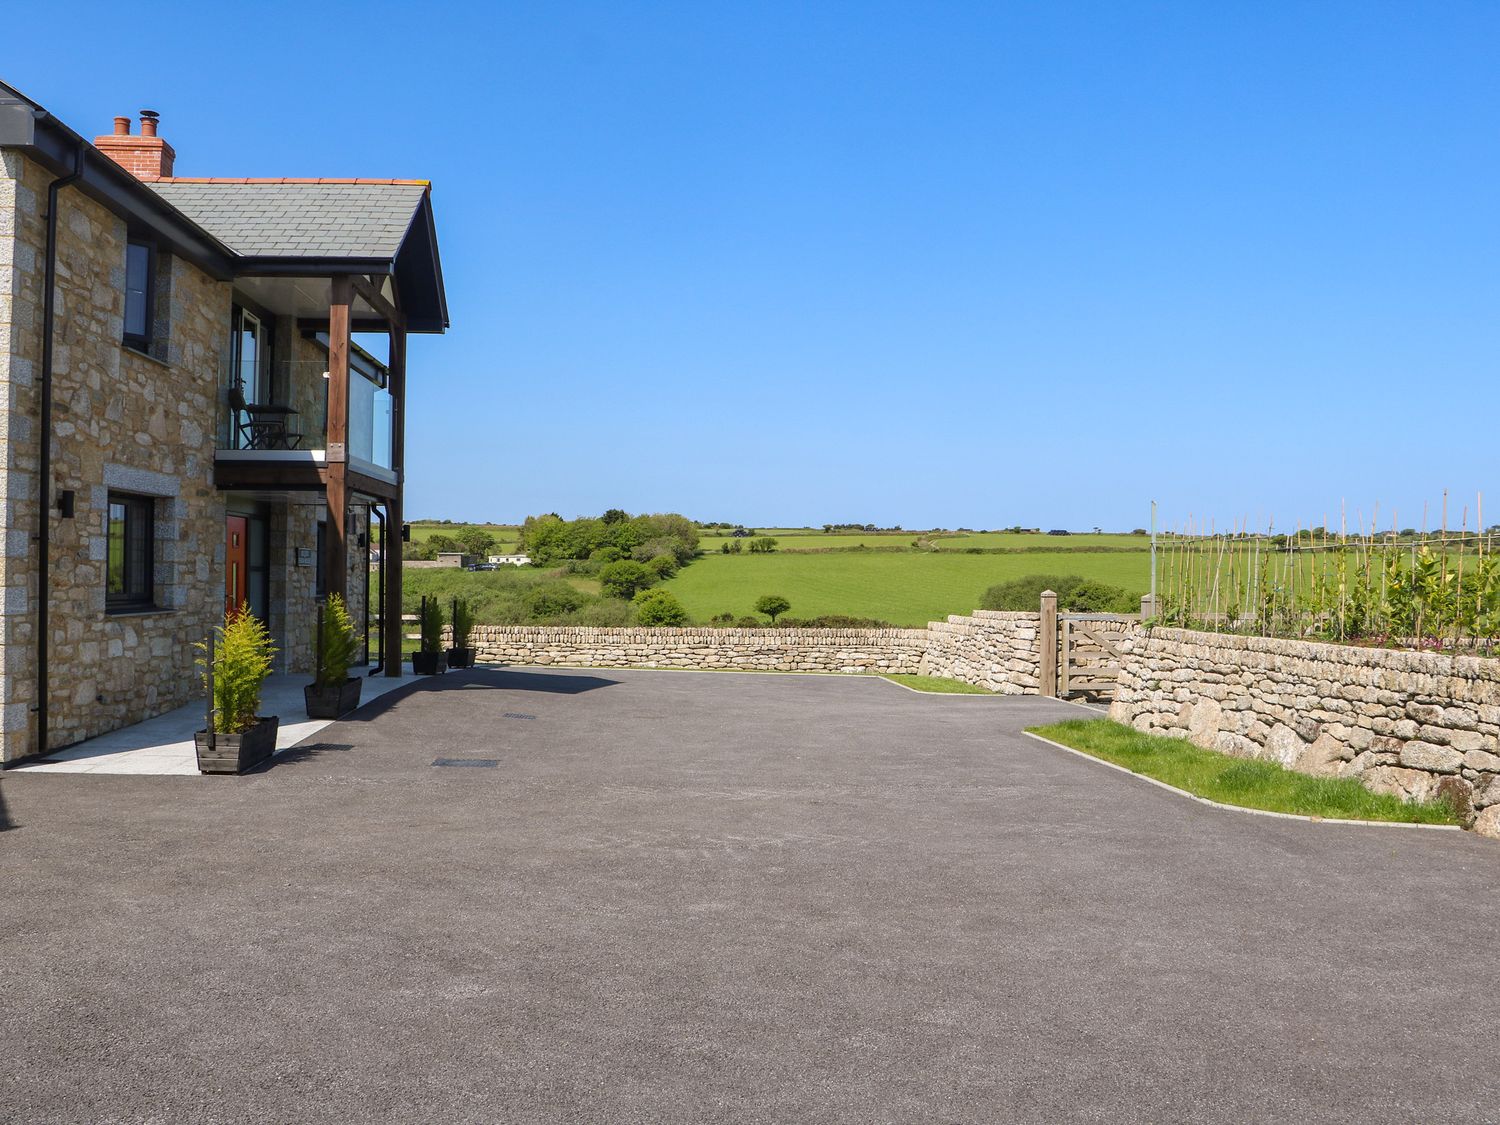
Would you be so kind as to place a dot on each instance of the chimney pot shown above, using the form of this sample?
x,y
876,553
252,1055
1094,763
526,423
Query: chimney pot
x,y
146,157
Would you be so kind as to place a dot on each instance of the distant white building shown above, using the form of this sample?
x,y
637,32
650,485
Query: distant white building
x,y
510,560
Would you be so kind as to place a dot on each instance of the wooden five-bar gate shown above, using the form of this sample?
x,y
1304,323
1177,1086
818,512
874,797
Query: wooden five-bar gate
x,y
1081,652
1089,656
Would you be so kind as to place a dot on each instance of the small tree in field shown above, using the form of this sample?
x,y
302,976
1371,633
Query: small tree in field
x,y
772,605
658,608
625,579
762,546
475,540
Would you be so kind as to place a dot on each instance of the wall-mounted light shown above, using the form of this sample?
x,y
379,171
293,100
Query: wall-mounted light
x,y
406,533
65,503
361,540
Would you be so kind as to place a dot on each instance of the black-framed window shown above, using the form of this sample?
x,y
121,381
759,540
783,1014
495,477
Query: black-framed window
x,y
131,549
140,295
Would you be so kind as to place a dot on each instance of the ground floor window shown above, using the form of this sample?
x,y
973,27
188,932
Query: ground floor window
x,y
131,551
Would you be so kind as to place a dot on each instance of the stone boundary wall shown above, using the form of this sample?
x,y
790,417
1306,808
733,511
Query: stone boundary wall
x,y
989,648
851,651
1417,725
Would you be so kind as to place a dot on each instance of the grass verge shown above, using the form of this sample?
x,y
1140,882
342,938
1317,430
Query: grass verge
x,y
938,685
1245,782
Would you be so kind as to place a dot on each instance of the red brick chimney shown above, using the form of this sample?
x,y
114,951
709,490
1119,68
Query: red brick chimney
x,y
147,156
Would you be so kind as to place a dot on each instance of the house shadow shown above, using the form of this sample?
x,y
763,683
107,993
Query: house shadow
x,y
509,679
302,752
480,679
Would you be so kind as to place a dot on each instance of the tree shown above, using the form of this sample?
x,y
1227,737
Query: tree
x,y
762,546
658,608
663,566
625,579
475,540
615,515
772,605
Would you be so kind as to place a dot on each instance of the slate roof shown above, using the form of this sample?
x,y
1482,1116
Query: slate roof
x,y
299,218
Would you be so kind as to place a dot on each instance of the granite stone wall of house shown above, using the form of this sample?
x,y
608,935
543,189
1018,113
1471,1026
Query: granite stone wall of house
x,y
122,421
127,421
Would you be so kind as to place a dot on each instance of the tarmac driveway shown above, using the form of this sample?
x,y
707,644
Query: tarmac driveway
x,y
703,897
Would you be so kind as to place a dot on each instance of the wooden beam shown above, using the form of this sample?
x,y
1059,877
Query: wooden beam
x,y
1047,638
357,324
336,458
395,506
376,300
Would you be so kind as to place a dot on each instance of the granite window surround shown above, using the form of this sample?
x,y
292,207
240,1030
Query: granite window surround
x,y
170,570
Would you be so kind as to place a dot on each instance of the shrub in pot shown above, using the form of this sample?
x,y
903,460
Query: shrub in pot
x,y
235,666
333,691
461,655
428,659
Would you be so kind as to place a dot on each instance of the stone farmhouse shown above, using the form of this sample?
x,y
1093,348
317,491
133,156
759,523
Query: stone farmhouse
x,y
190,422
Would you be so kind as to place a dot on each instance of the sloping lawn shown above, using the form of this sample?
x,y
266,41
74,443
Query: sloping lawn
x,y
1246,782
938,685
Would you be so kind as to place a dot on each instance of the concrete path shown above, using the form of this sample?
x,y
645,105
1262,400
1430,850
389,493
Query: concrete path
x,y
164,745
679,897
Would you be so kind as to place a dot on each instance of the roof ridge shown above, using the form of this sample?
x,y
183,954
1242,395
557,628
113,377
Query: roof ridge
x,y
289,180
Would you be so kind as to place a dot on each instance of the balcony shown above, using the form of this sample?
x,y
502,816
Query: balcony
x,y
271,429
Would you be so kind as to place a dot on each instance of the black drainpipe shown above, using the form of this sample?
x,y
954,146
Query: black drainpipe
x,y
378,511
44,469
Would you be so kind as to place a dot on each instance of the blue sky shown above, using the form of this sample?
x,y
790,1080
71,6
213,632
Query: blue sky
x,y
929,264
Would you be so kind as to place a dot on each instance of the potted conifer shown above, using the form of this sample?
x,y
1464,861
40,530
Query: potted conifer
x,y
333,691
428,659
235,666
461,655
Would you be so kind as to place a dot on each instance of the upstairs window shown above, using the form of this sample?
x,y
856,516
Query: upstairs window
x,y
131,549
140,297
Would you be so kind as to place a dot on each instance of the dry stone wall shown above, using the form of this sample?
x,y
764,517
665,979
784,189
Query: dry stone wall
x,y
1418,725
999,651
747,650
989,648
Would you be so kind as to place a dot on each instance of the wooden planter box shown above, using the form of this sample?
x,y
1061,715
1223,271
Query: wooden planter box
x,y
236,753
330,703
460,658
427,663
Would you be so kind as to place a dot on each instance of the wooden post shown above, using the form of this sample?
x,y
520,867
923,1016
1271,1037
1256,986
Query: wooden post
x,y
336,455
1047,635
208,679
394,508
1148,607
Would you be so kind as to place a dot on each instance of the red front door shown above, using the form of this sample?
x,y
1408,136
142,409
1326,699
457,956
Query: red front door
x,y
236,563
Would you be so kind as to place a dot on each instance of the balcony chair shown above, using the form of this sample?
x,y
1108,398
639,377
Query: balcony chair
x,y
263,425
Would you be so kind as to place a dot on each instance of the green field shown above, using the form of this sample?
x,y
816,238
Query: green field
x,y
508,534
1027,541
888,579
803,538
904,589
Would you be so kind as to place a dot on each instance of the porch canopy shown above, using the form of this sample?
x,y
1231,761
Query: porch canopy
x,y
311,229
